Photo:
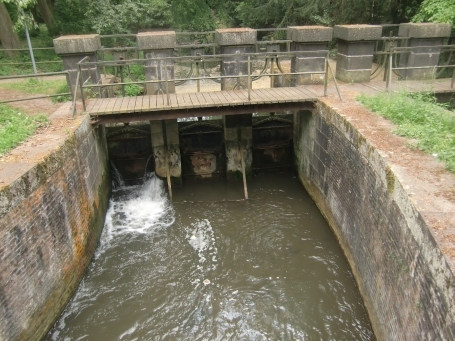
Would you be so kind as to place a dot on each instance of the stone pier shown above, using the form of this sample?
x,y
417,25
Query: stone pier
x,y
73,49
238,133
312,44
164,134
355,51
157,47
425,40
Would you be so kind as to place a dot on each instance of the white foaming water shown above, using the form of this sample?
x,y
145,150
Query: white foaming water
x,y
201,237
138,210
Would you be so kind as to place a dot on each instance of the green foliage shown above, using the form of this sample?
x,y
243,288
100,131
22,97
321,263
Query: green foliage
x,y
419,117
192,15
24,65
15,127
441,11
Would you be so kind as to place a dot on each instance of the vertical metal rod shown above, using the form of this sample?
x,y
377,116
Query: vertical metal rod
x,y
198,81
81,84
453,78
335,81
166,157
326,76
242,161
272,71
167,83
30,49
389,80
122,78
74,90
249,78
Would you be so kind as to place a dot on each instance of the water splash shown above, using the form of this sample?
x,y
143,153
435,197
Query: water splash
x,y
138,210
147,175
117,179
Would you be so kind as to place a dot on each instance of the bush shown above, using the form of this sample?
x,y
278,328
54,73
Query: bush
x,y
418,116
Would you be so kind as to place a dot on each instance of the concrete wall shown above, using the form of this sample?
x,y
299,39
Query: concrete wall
x,y
405,280
50,222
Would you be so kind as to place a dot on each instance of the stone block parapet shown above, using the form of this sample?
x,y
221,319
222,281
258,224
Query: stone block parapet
x,y
303,34
424,30
235,36
76,44
357,32
156,40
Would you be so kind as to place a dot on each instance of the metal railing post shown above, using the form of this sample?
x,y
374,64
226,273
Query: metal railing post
x,y
249,78
81,85
389,77
198,81
326,76
167,83
453,78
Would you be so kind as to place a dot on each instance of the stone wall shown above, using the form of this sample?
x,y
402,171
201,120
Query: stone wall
x,y
50,222
405,280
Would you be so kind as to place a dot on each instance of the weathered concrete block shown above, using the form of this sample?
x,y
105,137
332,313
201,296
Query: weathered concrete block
x,y
77,44
235,36
424,30
357,32
156,40
305,34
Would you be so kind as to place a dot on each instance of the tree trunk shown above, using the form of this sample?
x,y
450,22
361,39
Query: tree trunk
x,y
9,38
45,8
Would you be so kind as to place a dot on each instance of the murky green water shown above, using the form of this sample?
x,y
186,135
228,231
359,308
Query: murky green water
x,y
272,269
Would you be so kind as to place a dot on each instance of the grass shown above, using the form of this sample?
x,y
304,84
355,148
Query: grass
x,y
419,117
15,127
35,86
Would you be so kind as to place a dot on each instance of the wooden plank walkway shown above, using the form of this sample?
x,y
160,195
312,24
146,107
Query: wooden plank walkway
x,y
156,107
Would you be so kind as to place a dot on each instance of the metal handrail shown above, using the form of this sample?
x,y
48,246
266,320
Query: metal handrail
x,y
66,73
165,62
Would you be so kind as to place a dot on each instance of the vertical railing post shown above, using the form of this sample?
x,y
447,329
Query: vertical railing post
x,y
249,78
453,78
167,83
389,77
81,85
326,75
198,81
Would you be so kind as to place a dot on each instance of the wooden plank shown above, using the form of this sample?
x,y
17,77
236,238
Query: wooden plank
x,y
131,104
117,105
259,96
187,100
138,106
195,100
173,101
286,94
97,105
124,105
145,103
160,101
103,105
110,105
242,99
209,99
215,99
201,99
221,98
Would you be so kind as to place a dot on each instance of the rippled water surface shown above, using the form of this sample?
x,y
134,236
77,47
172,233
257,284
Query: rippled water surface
x,y
266,269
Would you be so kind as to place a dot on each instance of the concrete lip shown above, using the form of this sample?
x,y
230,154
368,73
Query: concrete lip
x,y
156,40
357,32
303,34
424,30
77,44
235,36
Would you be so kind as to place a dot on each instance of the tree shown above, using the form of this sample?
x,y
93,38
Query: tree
x,y
440,11
45,7
8,36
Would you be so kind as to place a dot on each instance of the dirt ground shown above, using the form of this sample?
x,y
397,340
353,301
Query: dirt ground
x,y
429,185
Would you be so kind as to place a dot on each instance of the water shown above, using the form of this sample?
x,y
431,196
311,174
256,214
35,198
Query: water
x,y
266,269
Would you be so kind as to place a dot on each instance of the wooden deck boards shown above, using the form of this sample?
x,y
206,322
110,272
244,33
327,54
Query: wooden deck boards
x,y
233,98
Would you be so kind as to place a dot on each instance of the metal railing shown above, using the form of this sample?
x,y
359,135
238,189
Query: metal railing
x,y
39,75
392,63
250,76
